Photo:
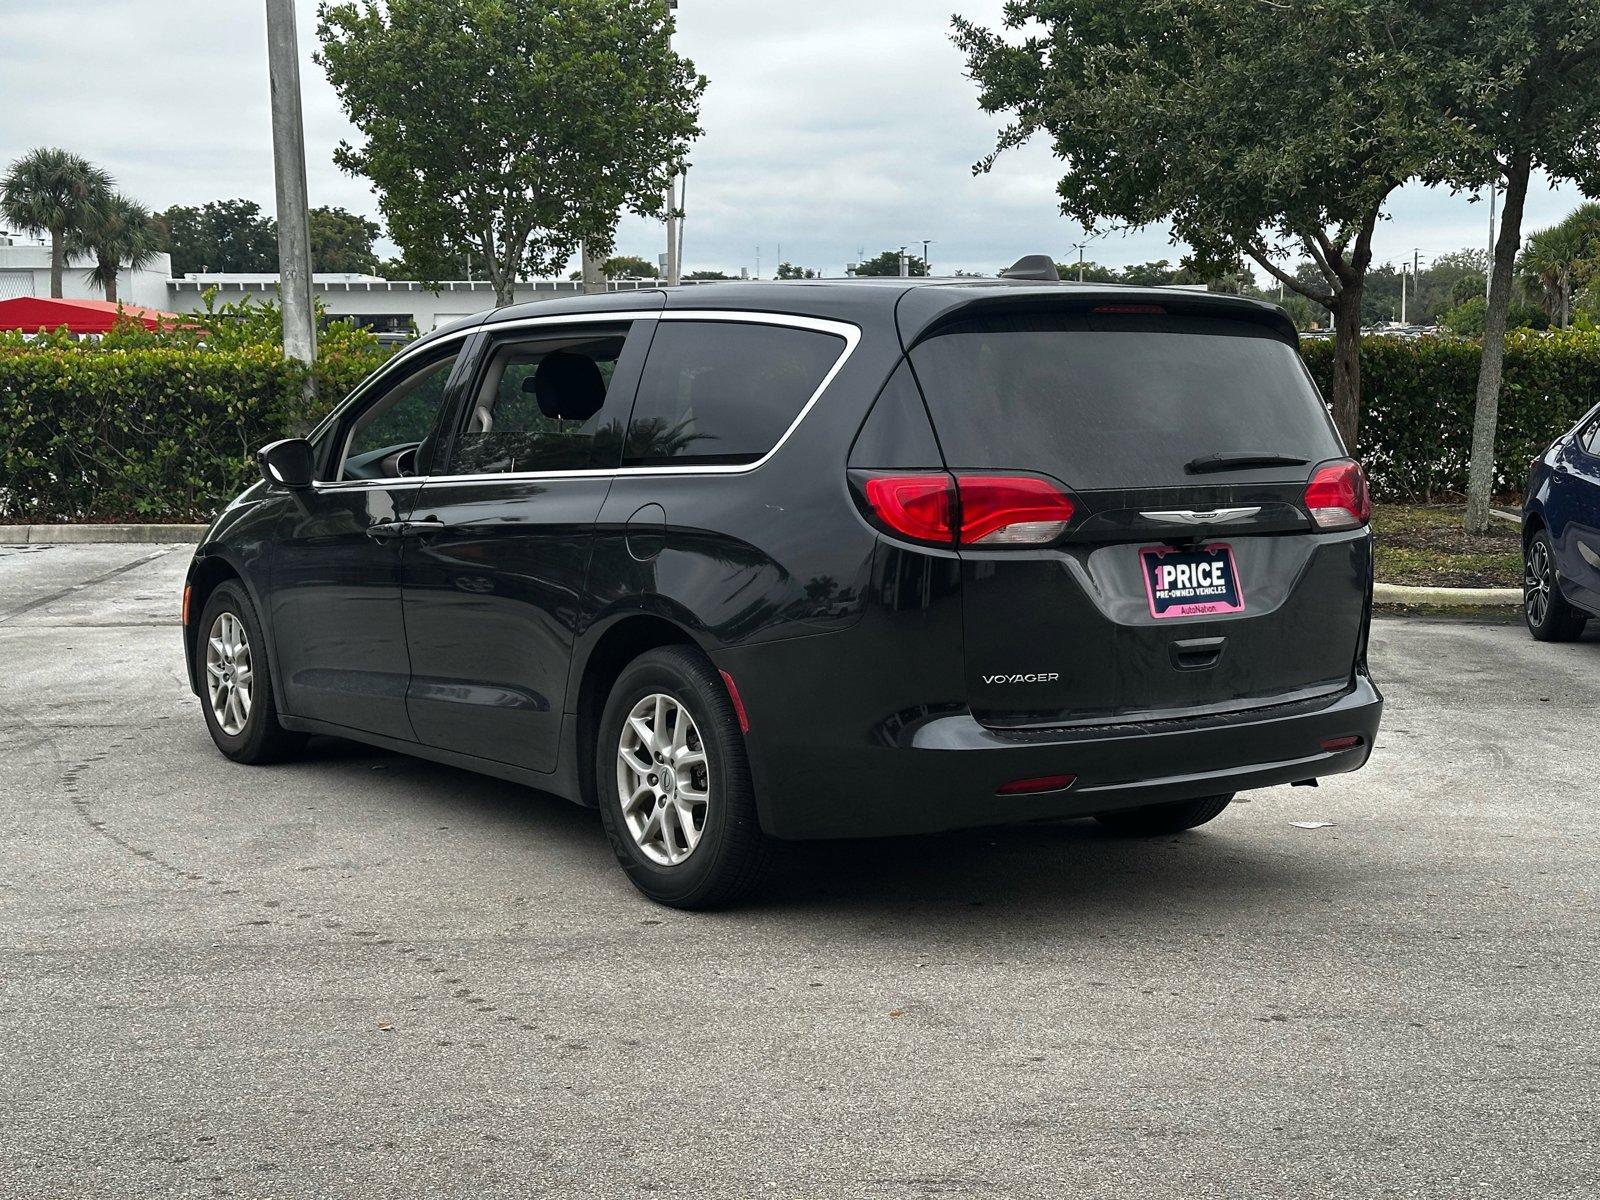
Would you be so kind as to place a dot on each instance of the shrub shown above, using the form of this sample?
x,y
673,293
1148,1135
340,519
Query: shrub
x,y
1418,397
152,426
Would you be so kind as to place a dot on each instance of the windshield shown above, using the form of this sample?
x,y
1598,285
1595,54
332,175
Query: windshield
x,y
1121,401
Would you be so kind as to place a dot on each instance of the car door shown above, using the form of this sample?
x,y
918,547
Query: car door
x,y
1576,481
334,602
494,575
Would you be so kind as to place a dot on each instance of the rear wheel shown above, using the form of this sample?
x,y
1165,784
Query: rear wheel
x,y
1550,618
675,791
1164,818
236,692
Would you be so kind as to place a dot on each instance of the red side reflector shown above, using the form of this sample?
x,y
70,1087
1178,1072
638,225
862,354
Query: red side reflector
x,y
1337,496
919,506
738,702
1011,510
1334,745
1148,309
185,604
1044,783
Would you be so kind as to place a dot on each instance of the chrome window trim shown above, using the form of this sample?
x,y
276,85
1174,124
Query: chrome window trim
x,y
850,333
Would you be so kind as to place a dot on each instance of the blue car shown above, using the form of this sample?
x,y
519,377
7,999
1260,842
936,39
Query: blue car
x,y
1561,535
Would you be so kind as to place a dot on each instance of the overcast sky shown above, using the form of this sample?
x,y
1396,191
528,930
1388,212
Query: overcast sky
x,y
832,127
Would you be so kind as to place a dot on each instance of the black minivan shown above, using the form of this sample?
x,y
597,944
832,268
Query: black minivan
x,y
747,562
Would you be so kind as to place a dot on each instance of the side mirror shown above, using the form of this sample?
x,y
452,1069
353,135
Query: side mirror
x,y
289,463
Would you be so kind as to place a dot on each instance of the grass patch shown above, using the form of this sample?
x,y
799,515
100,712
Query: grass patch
x,y
1426,545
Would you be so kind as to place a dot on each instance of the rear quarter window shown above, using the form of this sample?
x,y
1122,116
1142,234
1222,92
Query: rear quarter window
x,y
721,393
1118,401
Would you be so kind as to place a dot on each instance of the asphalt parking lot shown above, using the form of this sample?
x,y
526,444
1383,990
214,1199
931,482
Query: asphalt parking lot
x,y
363,975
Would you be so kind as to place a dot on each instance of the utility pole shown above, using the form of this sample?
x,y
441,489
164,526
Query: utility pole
x,y
289,163
674,218
1080,247
1402,293
905,267
926,265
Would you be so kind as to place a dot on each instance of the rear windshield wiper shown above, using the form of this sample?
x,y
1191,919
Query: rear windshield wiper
x,y
1236,459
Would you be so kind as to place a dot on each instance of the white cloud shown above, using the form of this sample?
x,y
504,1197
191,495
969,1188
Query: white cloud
x,y
832,126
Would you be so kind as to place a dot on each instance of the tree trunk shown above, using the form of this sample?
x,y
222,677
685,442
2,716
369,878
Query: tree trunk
x,y
58,261
594,280
1480,475
1347,363
109,271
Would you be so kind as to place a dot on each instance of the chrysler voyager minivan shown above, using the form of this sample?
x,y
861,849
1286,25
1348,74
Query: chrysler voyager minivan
x,y
748,562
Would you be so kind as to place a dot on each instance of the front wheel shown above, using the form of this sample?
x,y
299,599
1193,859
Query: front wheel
x,y
674,782
236,691
1164,818
1550,618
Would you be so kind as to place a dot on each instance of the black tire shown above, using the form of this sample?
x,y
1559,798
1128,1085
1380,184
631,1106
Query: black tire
x,y
1157,819
261,739
732,853
1553,620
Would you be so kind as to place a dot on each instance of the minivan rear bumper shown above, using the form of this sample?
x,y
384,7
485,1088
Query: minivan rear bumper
x,y
942,771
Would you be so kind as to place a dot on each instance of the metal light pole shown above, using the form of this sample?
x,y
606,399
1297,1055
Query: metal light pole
x,y
289,163
1402,293
926,265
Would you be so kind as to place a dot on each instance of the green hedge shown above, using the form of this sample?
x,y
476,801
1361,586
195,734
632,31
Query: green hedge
x,y
1417,397
148,431
149,428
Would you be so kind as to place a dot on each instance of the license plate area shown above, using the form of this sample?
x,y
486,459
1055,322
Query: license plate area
x,y
1194,582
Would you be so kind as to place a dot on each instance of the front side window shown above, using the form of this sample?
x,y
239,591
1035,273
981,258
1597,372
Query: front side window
x,y
384,440
544,404
724,392
1591,441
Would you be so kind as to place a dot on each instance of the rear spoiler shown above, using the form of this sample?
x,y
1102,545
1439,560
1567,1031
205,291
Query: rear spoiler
x,y
924,311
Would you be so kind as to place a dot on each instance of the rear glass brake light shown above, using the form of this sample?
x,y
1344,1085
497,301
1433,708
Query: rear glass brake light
x,y
1337,496
1131,309
971,510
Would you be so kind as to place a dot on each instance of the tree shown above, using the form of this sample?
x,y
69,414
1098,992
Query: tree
x,y
625,266
1468,319
341,242
1254,129
117,231
223,235
1558,261
888,263
1518,77
790,271
54,191
514,132
1087,272
707,275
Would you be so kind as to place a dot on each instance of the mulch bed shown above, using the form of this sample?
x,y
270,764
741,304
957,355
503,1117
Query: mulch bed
x,y
1428,546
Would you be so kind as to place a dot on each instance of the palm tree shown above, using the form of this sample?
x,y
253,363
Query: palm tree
x,y
118,231
54,190
1556,258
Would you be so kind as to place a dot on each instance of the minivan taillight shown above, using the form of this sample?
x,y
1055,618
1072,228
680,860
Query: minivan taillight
x,y
971,510
1011,510
1337,496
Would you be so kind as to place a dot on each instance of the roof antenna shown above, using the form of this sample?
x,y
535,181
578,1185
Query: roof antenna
x,y
1033,266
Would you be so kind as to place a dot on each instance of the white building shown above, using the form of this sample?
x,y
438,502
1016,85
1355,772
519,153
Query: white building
x,y
381,304
25,271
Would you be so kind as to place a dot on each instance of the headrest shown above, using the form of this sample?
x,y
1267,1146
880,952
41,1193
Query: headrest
x,y
568,386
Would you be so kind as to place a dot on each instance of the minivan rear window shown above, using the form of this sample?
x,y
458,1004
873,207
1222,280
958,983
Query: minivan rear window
x,y
1118,401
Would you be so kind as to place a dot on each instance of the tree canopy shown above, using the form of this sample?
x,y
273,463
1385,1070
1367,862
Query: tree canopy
x,y
118,230
223,235
341,242
1254,130
888,263
514,132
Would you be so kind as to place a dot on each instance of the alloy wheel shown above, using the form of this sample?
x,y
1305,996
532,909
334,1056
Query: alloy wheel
x,y
229,677
1537,581
663,779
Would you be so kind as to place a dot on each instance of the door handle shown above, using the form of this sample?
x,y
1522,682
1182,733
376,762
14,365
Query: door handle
x,y
1196,654
424,528
383,531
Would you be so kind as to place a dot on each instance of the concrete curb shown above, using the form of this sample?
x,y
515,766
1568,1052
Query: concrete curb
x,y
31,535
1447,597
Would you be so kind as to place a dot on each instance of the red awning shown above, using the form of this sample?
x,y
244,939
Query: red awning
x,y
30,314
